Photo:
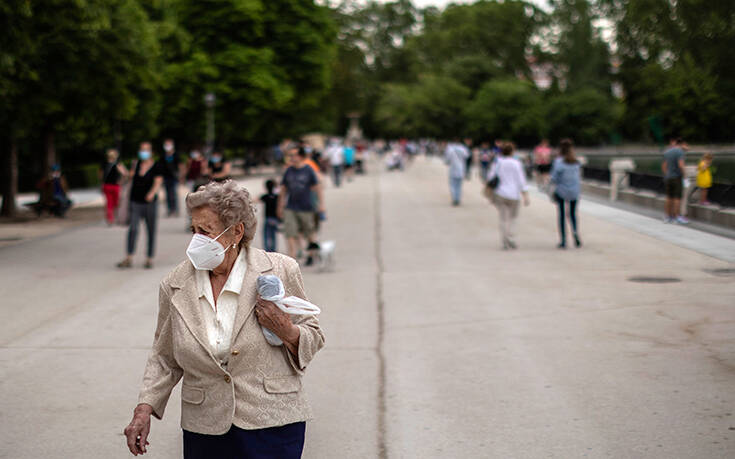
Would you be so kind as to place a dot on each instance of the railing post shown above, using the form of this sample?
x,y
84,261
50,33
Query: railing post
x,y
690,181
619,180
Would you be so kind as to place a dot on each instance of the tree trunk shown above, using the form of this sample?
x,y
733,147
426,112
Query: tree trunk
x,y
50,144
10,181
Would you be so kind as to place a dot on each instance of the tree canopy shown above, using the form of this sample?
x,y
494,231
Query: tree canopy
x,y
77,76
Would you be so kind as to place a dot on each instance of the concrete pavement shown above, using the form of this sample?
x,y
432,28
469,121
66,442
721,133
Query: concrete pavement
x,y
439,344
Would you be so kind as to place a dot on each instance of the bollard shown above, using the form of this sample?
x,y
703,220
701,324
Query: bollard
x,y
690,182
619,180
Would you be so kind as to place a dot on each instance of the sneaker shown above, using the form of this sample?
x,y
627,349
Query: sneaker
x,y
668,220
124,264
682,220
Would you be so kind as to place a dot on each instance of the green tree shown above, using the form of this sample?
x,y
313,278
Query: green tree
x,y
508,109
268,63
673,57
586,116
580,55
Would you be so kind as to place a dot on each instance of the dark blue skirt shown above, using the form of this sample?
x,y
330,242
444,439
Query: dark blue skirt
x,y
285,442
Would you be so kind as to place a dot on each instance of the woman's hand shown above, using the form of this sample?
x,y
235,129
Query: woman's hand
x,y
276,321
137,431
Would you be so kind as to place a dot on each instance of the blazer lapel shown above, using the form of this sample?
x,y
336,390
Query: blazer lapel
x,y
186,301
258,263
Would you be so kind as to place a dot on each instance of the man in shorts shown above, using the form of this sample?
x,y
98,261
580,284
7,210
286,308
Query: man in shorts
x,y
673,169
295,204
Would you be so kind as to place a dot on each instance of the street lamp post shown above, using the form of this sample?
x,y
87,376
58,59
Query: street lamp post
x,y
209,100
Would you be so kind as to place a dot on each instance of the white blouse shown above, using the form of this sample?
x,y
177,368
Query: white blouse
x,y
220,318
511,178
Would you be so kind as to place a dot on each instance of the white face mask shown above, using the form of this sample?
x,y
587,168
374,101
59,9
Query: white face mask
x,y
206,253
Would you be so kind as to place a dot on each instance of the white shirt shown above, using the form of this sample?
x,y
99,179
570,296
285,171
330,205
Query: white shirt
x,y
219,319
511,177
456,156
336,155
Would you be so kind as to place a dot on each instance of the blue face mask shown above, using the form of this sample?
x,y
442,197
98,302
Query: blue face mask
x,y
144,154
216,159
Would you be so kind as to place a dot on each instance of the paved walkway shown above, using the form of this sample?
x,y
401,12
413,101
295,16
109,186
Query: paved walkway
x,y
439,344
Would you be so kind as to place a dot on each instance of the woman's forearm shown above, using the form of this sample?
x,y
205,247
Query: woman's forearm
x,y
291,341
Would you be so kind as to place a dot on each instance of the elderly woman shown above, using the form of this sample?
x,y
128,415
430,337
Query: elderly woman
x,y
241,397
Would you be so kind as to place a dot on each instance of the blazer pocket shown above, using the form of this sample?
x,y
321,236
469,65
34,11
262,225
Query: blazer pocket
x,y
193,395
282,384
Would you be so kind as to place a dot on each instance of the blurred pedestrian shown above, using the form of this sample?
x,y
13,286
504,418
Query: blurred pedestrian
x,y
112,174
360,153
485,157
566,179
241,396
510,187
470,158
335,153
219,167
673,168
542,164
704,177
53,193
349,156
171,166
295,204
196,170
270,225
147,180
455,156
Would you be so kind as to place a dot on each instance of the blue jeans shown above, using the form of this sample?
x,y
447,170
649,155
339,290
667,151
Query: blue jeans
x,y
269,234
337,174
455,187
562,219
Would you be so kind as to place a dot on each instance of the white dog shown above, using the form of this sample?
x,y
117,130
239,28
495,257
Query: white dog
x,y
326,255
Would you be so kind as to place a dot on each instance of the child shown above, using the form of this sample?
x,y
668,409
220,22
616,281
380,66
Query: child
x,y
704,177
270,199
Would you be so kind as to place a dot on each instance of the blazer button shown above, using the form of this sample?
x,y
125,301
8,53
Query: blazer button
x,y
235,352
227,379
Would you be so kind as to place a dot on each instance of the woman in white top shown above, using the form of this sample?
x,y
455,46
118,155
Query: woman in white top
x,y
507,195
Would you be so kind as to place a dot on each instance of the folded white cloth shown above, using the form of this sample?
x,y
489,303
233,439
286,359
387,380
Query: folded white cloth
x,y
271,289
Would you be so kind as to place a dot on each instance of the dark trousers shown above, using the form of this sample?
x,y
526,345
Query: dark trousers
x,y
146,211
172,197
269,234
285,442
572,217
337,175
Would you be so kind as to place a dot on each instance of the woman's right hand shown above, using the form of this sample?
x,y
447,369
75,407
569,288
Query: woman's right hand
x,y
137,431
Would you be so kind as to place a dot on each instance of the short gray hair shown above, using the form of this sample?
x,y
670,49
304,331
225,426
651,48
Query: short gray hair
x,y
230,202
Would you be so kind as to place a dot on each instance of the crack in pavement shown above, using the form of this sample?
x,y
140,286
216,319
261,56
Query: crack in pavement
x,y
377,228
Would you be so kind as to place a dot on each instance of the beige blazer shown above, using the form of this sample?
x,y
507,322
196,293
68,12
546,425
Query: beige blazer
x,y
261,385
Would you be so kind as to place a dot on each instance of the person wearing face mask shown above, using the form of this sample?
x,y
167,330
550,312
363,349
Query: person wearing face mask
x,y
196,170
171,177
240,396
147,180
219,167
